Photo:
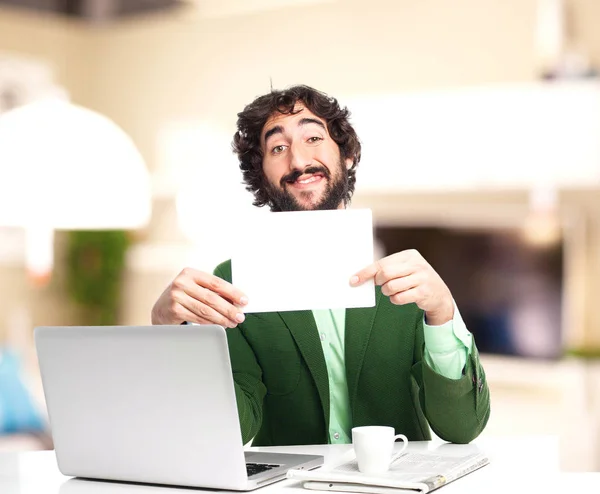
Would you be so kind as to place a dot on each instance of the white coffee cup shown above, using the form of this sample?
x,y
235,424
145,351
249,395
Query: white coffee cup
x,y
374,445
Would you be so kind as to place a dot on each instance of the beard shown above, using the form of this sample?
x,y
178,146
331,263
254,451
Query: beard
x,y
336,190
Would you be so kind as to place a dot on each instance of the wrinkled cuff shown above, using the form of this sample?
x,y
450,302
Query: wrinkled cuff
x,y
448,337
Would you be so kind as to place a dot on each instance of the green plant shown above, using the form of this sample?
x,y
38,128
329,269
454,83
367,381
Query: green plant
x,y
95,264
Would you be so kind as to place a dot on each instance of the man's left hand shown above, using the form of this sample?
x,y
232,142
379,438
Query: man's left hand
x,y
406,277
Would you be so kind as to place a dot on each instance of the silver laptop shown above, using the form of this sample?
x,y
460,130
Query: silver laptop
x,y
152,404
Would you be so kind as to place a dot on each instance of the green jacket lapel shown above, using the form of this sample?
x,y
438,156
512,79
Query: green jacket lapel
x,y
359,323
304,330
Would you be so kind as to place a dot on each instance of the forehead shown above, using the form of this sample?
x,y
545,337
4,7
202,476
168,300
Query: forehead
x,y
285,120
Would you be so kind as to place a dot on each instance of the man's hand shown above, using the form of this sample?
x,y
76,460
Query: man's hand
x,y
407,277
195,296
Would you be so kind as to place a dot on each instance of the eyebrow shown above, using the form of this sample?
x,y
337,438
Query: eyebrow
x,y
278,129
306,121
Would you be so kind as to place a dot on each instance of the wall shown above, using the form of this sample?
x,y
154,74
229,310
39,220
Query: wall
x,y
61,42
149,72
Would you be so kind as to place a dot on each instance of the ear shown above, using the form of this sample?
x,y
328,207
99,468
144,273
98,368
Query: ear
x,y
349,163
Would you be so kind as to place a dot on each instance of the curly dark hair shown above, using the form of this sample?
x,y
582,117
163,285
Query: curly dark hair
x,y
246,141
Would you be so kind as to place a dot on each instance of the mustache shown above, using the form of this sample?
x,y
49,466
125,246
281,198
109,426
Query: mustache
x,y
290,178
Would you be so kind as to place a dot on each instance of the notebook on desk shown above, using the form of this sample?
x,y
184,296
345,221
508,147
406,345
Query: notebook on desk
x,y
152,404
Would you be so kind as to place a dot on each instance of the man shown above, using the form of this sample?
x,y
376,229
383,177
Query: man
x,y
308,377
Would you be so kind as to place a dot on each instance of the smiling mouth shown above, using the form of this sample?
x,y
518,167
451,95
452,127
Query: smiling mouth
x,y
306,180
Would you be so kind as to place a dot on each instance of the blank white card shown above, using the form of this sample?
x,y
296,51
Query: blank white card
x,y
304,260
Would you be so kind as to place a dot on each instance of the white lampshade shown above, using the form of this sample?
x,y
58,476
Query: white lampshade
x,y
64,167
67,167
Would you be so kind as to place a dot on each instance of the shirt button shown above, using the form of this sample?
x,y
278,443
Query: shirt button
x,y
322,336
336,435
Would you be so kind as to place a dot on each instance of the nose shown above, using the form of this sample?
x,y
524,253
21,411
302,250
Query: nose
x,y
300,157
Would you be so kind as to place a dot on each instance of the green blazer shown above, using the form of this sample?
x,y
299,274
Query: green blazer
x,y
282,389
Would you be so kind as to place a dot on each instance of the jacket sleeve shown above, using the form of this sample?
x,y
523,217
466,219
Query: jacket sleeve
x,y
247,376
457,409
249,388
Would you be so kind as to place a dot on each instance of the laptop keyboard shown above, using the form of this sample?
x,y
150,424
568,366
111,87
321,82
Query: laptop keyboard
x,y
256,468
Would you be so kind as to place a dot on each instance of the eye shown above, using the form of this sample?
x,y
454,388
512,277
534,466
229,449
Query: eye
x,y
278,149
314,139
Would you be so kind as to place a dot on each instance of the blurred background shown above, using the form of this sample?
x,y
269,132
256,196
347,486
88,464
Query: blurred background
x,y
480,124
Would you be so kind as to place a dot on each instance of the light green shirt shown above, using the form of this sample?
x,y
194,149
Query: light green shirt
x,y
446,350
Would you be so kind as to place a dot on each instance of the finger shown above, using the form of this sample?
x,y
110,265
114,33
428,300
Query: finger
x,y
365,274
225,289
412,295
186,315
204,313
178,314
407,255
216,302
217,285
190,293
401,284
391,271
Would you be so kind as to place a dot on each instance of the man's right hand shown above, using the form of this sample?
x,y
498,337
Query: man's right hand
x,y
195,296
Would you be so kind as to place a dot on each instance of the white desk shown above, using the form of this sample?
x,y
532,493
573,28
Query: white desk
x,y
520,464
